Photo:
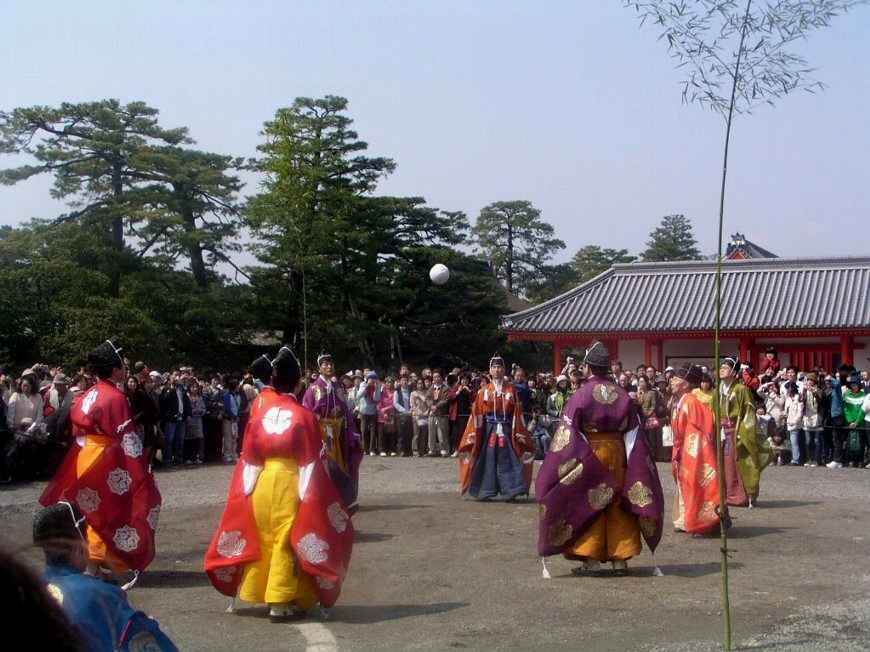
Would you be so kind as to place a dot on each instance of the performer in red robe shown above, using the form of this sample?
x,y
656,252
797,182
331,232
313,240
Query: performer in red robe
x,y
696,495
496,452
285,537
106,473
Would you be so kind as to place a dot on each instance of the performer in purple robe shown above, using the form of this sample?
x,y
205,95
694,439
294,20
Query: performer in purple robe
x,y
325,397
598,489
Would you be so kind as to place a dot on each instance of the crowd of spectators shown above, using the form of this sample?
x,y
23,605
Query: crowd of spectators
x,y
810,418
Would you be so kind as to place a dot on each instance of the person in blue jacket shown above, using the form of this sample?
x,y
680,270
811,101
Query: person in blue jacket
x,y
99,610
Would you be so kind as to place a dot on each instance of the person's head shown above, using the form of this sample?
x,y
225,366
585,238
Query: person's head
x,y
686,378
843,372
106,362
371,378
532,383
640,370
35,609
760,411
496,367
650,373
706,382
437,378
791,388
770,353
642,383
865,376
728,369
624,381
575,377
28,385
286,371
390,383
811,380
597,360
669,373
791,372
616,368
404,370
132,384
325,365
420,385
426,373
194,389
61,531
519,375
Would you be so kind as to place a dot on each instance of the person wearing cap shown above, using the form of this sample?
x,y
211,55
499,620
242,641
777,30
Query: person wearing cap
x,y
598,488
285,537
327,400
496,452
696,479
106,473
745,456
98,610
853,407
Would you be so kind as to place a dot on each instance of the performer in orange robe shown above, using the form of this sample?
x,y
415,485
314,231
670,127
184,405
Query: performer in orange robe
x,y
696,496
106,474
285,537
496,452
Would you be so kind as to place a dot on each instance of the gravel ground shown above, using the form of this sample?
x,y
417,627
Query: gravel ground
x,y
432,571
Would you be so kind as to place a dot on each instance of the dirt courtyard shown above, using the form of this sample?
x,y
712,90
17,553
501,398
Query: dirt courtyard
x,y
432,571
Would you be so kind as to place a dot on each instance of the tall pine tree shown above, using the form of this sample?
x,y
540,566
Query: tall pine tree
x,y
673,239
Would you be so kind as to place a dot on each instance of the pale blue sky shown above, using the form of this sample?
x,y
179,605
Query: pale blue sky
x,y
567,104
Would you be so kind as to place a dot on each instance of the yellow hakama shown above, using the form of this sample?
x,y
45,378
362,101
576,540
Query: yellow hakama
x,y
90,453
274,578
615,534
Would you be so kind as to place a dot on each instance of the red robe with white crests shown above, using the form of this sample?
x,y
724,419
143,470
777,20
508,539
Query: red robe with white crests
x,y
117,493
322,534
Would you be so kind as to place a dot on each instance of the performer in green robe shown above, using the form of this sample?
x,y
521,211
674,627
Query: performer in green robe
x,y
745,455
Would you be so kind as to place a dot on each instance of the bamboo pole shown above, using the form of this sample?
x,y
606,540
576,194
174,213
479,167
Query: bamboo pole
x,y
717,404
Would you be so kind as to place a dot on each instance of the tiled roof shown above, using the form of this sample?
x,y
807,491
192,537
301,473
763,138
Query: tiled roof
x,y
759,294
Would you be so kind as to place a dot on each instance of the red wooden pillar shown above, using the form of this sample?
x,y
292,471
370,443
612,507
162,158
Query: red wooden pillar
x,y
647,351
557,356
845,349
745,344
660,353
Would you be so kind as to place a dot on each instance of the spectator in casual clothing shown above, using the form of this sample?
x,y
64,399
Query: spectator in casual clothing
x,y
838,416
194,431
230,422
439,416
557,400
24,411
794,419
853,401
420,414
387,419
813,401
174,410
523,392
460,409
368,398
404,419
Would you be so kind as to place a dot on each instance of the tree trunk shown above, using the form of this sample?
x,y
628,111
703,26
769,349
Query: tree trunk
x,y
194,249
117,230
509,265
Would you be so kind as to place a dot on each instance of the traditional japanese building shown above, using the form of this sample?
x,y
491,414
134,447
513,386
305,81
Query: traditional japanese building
x,y
815,311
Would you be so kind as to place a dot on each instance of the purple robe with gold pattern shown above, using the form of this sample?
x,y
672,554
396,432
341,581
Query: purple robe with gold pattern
x,y
573,487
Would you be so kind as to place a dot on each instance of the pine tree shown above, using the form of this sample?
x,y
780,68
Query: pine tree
x,y
673,239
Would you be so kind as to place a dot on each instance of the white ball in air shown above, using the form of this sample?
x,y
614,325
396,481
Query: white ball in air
x,y
439,274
